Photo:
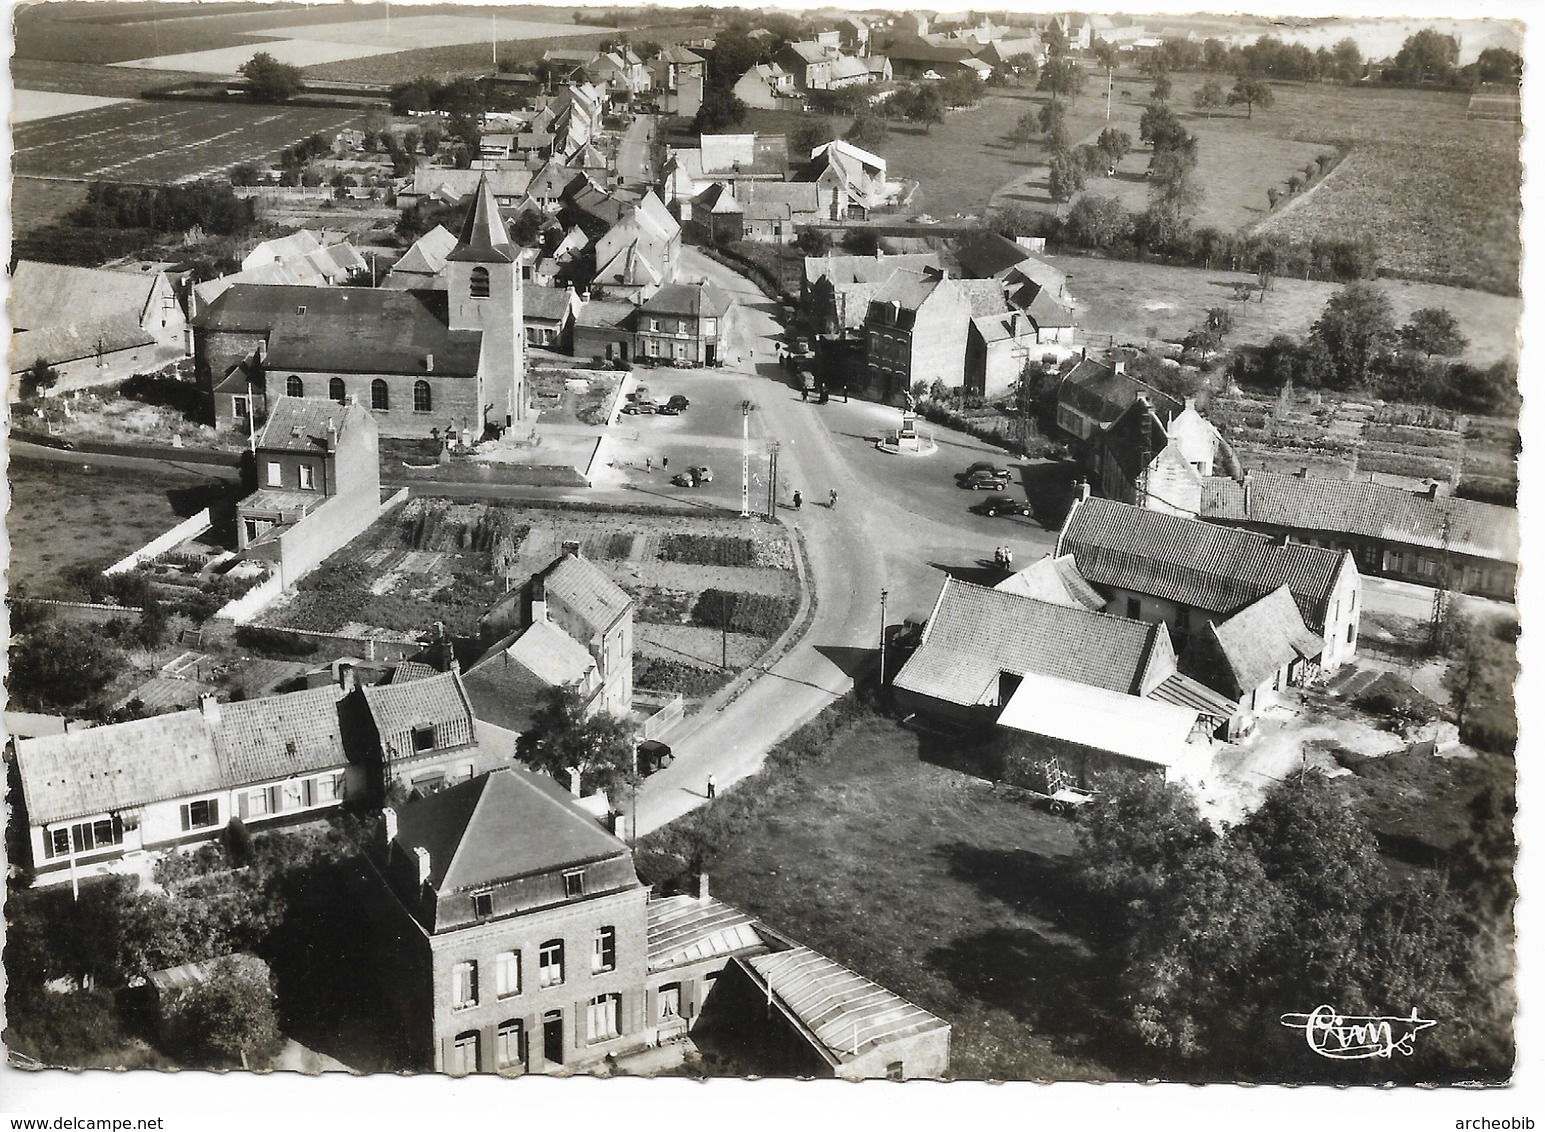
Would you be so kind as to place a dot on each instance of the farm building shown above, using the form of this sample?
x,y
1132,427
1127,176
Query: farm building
x,y
1054,580
418,359
794,1012
1259,651
422,266
93,324
1186,574
1392,532
692,938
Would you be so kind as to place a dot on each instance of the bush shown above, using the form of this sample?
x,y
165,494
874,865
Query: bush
x,y
274,642
657,674
708,550
759,615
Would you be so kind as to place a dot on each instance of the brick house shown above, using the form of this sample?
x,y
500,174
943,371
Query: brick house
x,y
1093,394
809,62
685,322
1187,574
915,330
511,927
419,732
835,289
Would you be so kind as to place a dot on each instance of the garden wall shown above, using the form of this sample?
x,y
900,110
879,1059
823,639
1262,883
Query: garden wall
x,y
191,527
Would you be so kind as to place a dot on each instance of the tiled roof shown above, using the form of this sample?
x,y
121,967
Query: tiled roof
x,y
594,597
349,329
410,670
605,313
976,634
1371,510
1054,580
1208,567
1262,637
1182,691
985,296
811,52
299,424
908,288
684,929
428,254
550,654
1104,393
693,299
548,303
500,825
65,310
847,67
438,701
503,693
986,255
840,269
120,766
844,1014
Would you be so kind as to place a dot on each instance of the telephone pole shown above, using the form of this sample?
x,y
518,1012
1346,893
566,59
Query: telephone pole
x,y
745,458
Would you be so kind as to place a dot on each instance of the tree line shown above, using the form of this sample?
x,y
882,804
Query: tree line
x,y
210,205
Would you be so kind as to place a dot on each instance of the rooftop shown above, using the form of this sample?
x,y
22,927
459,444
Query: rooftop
x,y
580,584
684,929
301,424
1145,730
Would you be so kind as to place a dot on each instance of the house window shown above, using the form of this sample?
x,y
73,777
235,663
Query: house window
x,y
574,883
479,285
241,408
605,1017
335,391
58,842
294,386
463,1054
670,1001
422,398
86,836
464,984
307,480
1351,629
482,904
328,788
550,963
424,737
895,1071
507,973
511,1043
257,803
604,955
201,814
275,474
1134,608
292,795
654,324
379,399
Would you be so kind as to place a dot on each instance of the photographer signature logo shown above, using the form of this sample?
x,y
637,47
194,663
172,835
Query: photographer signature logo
x,y
1351,1037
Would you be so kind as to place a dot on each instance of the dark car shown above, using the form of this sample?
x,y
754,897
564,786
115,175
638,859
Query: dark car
x,y
983,476
641,408
678,403
654,755
995,505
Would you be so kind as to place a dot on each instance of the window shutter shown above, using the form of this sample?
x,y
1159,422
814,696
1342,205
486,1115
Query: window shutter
x,y
187,822
308,792
241,806
275,799
214,811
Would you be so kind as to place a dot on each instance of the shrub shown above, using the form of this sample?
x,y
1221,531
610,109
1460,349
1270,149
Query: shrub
x,y
759,615
657,674
708,550
274,642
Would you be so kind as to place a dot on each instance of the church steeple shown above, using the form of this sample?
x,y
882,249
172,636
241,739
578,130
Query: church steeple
x,y
483,237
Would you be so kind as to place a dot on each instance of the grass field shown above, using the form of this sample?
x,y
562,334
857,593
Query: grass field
x,y
1127,300
64,515
939,889
163,141
36,201
33,105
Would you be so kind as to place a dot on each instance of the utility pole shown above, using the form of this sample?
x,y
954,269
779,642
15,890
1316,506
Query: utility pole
x,y
1440,596
883,595
745,458
772,479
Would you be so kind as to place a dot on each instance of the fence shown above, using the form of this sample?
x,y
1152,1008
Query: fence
x,y
670,713
191,527
386,649
91,613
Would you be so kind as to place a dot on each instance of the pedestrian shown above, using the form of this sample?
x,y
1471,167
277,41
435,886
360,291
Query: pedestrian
x,y
804,392
648,464
1008,558
833,504
665,462
711,788
798,500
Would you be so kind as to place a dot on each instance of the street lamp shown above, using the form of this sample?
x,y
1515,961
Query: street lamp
x,y
883,595
745,458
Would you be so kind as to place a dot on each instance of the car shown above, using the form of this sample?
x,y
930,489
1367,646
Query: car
x,y
985,481
684,479
677,403
654,755
667,410
995,505
641,408
703,472
986,466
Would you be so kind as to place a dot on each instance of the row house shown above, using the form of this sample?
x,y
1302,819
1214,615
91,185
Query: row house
x,y
915,330
687,323
764,86
835,289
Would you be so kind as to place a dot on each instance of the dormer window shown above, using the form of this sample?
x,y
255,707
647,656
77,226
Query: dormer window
x,y
574,883
300,311
424,737
482,904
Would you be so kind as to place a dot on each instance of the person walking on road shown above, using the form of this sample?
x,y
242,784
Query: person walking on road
x,y
832,505
712,788
649,463
798,500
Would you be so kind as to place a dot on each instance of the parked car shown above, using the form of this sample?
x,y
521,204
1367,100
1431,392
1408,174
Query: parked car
x,y
684,479
996,505
641,408
678,403
704,473
984,479
654,755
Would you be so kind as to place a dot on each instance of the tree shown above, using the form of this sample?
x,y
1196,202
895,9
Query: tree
x,y
1427,56
600,747
1356,329
807,136
1162,87
1499,65
229,1017
1052,119
1066,177
1097,221
963,88
1063,77
38,377
1346,59
1135,843
868,129
1209,97
1253,92
720,110
814,241
1055,40
431,138
269,80
410,141
926,106
1159,127
57,666
1106,54
1114,144
1434,331
1023,67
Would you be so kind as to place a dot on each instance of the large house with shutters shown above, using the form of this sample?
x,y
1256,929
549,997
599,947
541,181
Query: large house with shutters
x,y
452,358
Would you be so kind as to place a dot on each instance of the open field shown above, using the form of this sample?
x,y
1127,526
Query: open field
x,y
163,142
1127,300
32,105
65,515
94,79
36,202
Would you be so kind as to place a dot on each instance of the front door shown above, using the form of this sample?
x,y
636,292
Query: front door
x,y
552,1037
710,353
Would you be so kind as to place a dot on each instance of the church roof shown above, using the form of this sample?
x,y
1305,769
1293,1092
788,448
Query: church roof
x,y
483,237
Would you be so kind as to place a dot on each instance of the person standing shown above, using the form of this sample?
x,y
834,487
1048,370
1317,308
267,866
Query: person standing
x,y
832,505
798,500
712,788
648,463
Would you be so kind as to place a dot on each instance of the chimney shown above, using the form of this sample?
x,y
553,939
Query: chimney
x,y
350,399
571,547
1432,490
389,815
702,887
429,363
330,441
209,708
1302,473
73,726
574,780
1083,354
422,855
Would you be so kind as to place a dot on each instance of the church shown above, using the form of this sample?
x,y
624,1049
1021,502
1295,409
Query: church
x,y
448,360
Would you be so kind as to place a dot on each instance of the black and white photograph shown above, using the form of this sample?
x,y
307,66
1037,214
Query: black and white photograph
x,y
686,555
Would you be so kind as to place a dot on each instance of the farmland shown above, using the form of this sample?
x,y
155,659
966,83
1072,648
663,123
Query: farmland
x,y
154,142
